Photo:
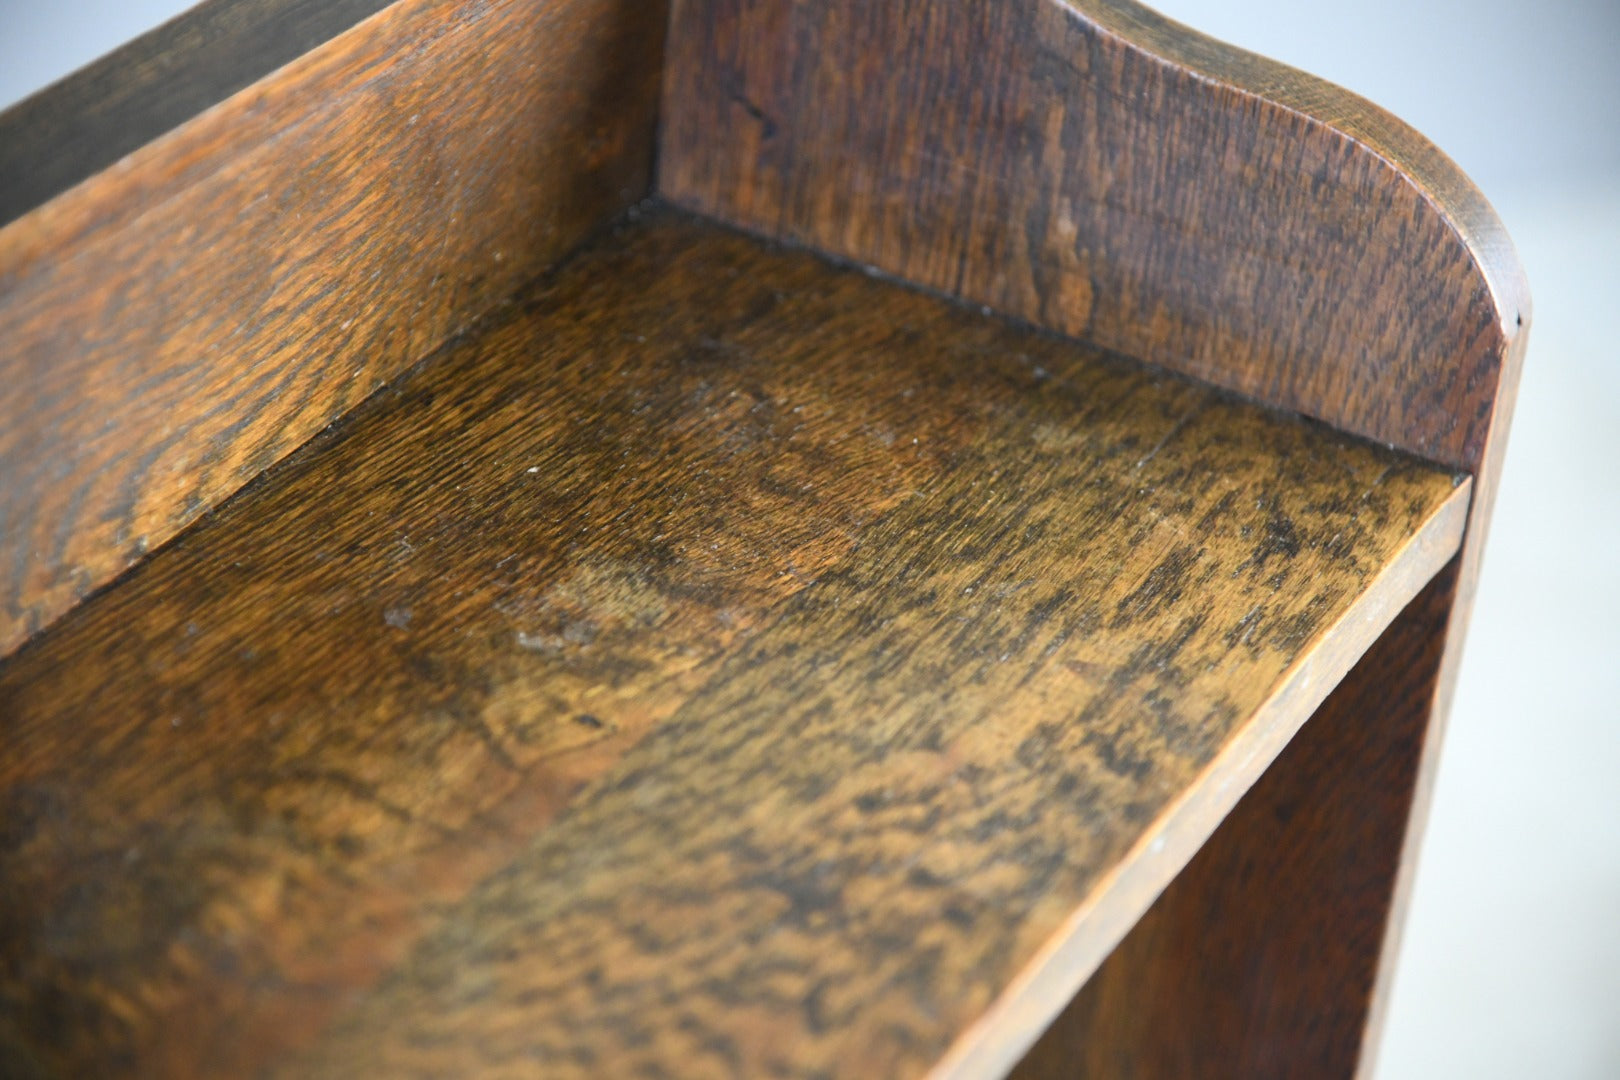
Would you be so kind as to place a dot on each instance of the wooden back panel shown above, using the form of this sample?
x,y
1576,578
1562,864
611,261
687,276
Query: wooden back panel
x,y
186,317
1101,171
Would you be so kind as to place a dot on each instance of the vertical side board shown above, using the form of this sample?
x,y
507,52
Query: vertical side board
x,y
1106,173
1261,959
187,316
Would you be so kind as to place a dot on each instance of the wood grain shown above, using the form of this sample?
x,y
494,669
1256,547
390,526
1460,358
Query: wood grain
x,y
1098,170
1261,958
717,662
180,321
1109,174
79,126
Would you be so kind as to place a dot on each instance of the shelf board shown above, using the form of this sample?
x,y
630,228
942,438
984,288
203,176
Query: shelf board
x,y
717,660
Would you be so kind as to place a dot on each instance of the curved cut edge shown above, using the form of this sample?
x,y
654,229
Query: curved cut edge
x,y
1108,174
1409,153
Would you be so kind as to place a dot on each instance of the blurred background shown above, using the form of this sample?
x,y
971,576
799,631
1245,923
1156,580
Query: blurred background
x,y
1511,961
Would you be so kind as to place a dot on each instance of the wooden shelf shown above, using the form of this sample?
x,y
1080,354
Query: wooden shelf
x,y
717,660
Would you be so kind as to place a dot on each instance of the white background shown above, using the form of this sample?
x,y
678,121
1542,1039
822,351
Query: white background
x,y
1511,967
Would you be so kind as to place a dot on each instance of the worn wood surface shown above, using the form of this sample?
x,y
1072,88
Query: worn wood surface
x,y
718,662
1261,958
74,128
1107,173
1096,169
178,322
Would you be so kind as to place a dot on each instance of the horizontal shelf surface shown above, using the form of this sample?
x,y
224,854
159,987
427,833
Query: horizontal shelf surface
x,y
717,662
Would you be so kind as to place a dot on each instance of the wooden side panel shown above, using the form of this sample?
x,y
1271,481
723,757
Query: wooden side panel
x,y
73,129
1112,176
177,323
1461,605
1261,959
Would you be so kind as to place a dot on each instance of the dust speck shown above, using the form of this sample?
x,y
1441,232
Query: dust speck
x,y
537,642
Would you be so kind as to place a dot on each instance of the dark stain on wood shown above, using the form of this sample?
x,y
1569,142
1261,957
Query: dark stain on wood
x,y
177,323
1260,959
717,660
